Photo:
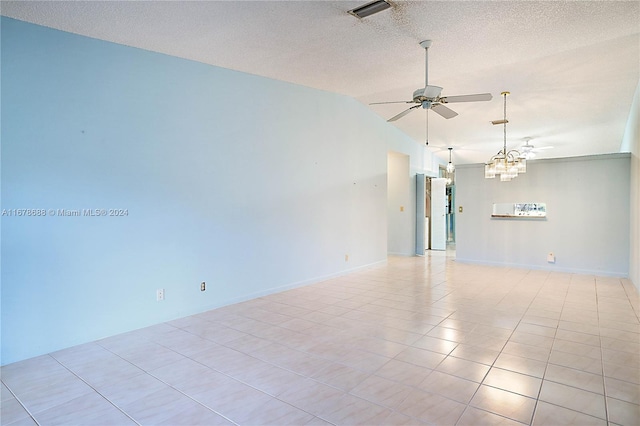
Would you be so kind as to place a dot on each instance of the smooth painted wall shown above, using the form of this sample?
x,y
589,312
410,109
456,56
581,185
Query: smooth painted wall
x,y
587,224
249,184
401,206
631,143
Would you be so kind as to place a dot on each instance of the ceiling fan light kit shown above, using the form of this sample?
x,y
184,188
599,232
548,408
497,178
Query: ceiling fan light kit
x,y
370,8
428,97
507,164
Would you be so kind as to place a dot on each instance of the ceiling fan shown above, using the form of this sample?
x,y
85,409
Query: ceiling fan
x,y
429,97
528,151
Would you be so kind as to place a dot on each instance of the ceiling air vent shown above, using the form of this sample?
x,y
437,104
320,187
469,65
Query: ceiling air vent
x,y
370,8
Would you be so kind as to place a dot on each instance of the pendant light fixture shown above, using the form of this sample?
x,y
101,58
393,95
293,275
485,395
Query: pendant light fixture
x,y
450,166
507,164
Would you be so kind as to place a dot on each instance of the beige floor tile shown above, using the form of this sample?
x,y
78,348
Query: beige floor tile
x,y
149,355
521,365
403,372
159,406
33,376
573,336
5,393
421,357
382,391
527,351
513,382
577,362
572,398
463,368
435,345
579,327
576,378
190,376
351,410
232,400
614,333
535,329
381,347
475,417
487,342
503,403
196,415
622,390
552,415
12,411
89,409
404,337
300,362
131,390
81,355
542,342
620,345
340,376
475,353
217,333
312,397
622,412
463,326
630,373
577,349
273,380
633,327
395,418
271,412
449,386
431,408
540,320
43,394
449,334
621,358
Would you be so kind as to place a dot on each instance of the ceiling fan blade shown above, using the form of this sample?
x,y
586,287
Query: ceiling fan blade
x,y
467,98
444,111
392,102
403,113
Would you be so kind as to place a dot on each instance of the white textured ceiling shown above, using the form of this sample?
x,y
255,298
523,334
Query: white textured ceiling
x,y
571,66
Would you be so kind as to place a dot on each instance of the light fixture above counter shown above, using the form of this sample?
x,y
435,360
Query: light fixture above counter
x,y
507,164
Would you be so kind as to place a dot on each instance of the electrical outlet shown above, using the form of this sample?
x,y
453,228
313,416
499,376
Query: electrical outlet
x,y
203,286
160,294
551,258
346,257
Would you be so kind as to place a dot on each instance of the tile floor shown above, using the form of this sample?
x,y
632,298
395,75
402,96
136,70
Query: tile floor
x,y
415,341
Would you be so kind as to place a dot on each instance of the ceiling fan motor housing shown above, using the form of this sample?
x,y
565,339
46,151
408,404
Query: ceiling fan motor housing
x,y
429,93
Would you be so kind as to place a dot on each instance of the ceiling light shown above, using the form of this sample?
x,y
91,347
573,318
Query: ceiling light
x,y
370,8
505,163
450,166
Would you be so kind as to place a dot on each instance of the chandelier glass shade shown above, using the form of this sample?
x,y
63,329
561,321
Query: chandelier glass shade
x,y
450,166
506,164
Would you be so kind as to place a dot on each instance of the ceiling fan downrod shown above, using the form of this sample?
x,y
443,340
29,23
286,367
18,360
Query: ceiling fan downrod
x,y
426,44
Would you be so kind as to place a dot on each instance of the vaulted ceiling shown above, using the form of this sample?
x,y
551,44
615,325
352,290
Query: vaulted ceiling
x,y
571,66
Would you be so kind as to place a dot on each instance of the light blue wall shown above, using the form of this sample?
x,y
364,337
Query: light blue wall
x,y
247,183
587,224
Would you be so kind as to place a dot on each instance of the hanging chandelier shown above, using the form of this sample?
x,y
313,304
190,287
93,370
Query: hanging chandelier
x,y
507,164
